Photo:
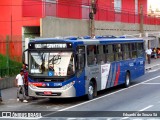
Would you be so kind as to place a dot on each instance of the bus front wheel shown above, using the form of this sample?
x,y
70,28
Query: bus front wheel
x,y
127,80
91,91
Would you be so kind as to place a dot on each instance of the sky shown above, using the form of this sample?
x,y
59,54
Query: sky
x,y
154,3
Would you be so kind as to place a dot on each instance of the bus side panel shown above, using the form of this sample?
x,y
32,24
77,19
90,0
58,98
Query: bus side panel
x,y
93,72
112,75
118,74
80,84
123,67
140,67
131,67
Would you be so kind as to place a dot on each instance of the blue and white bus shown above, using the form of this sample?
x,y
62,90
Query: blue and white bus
x,y
61,68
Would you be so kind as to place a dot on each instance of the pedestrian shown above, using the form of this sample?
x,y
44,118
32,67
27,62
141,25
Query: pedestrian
x,y
149,52
20,86
0,96
154,53
158,52
25,79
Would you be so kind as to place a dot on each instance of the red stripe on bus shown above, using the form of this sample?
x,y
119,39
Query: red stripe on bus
x,y
117,76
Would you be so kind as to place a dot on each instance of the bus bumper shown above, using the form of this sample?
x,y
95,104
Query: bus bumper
x,y
52,92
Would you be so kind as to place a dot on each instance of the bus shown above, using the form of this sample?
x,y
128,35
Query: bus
x,y
73,67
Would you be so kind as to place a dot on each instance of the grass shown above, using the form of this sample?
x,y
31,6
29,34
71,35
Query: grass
x,y
13,67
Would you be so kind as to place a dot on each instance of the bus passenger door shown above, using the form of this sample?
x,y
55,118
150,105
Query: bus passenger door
x,y
80,71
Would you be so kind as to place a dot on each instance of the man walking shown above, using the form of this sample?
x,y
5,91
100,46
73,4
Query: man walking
x,y
20,86
0,96
25,79
149,52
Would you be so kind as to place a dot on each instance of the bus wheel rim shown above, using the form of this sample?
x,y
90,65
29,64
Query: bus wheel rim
x,y
90,90
127,80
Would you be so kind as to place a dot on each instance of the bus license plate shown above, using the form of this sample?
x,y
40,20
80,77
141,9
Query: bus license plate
x,y
47,93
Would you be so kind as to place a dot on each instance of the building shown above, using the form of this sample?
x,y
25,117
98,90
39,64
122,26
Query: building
x,y
25,18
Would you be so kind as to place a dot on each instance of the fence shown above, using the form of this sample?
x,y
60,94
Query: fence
x,y
10,55
79,11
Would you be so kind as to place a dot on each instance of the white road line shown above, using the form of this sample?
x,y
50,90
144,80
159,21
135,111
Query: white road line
x,y
109,94
148,71
103,96
139,111
146,108
151,71
124,118
152,66
71,118
151,83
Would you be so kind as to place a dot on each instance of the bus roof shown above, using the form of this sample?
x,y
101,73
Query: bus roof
x,y
88,41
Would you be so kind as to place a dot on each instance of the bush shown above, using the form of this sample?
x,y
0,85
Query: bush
x,y
13,67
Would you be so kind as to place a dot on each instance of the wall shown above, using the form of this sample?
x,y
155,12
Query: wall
x,y
11,22
52,27
7,82
69,9
144,5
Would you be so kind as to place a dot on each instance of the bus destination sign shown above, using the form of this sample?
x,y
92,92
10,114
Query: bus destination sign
x,y
61,45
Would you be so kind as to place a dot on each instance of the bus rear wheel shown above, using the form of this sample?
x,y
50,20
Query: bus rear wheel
x,y
91,91
127,80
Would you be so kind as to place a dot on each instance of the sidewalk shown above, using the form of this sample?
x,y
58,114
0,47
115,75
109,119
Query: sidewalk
x,y
154,63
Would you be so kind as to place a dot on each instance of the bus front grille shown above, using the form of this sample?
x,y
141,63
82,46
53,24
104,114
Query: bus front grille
x,y
50,80
53,94
49,86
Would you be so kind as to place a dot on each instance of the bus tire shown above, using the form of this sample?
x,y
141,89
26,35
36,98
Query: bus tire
x,y
127,80
91,91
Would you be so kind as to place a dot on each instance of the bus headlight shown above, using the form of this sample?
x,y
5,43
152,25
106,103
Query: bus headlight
x,y
32,86
68,85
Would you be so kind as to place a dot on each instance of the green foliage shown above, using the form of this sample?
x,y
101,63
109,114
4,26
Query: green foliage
x,y
9,68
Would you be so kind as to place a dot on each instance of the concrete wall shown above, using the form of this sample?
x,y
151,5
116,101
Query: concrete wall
x,y
7,82
115,28
52,27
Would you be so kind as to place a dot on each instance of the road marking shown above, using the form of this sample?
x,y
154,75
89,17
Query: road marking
x,y
103,96
139,111
152,66
109,94
148,71
151,83
146,108
71,118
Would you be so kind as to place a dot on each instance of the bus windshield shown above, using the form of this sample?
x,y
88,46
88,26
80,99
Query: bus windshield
x,y
51,63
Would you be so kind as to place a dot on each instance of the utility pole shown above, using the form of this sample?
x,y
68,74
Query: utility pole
x,y
141,20
92,17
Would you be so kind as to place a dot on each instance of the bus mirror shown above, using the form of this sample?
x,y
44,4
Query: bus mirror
x,y
25,57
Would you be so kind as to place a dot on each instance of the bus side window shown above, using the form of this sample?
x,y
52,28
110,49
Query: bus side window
x,y
115,53
109,53
123,50
140,51
100,54
126,51
80,58
134,50
91,56
119,52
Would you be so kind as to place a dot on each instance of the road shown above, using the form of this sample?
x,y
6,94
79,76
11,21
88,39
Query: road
x,y
142,95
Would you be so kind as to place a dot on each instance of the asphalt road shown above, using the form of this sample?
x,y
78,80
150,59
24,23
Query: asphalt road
x,y
143,95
